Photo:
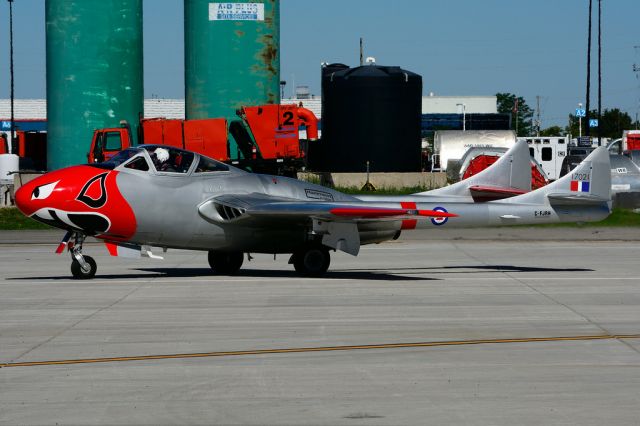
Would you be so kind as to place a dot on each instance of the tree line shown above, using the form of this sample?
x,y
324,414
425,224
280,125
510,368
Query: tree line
x,y
613,120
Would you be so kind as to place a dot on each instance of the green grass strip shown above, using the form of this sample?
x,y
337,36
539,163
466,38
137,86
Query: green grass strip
x,y
12,219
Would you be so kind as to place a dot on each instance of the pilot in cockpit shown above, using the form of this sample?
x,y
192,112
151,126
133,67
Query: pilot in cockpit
x,y
160,158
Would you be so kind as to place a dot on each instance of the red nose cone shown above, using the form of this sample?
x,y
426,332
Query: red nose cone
x,y
80,198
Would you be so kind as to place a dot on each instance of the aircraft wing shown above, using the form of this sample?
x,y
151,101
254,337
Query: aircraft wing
x,y
228,207
336,222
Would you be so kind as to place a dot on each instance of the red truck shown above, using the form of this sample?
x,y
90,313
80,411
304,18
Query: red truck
x,y
631,140
4,144
266,137
31,148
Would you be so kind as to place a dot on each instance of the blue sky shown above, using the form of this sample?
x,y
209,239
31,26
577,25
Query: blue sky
x,y
463,47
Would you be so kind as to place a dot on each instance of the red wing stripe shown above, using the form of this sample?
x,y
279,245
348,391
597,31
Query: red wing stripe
x,y
409,223
373,212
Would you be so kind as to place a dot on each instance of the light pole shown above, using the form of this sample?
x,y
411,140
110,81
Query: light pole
x,y
580,120
12,131
464,116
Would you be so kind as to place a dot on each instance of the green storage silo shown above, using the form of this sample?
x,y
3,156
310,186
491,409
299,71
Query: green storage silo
x,y
94,73
232,57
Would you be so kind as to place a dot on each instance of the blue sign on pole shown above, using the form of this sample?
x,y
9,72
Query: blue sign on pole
x,y
6,125
581,112
593,122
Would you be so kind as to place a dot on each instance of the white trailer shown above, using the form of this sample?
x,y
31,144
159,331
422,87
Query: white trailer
x,y
450,145
549,152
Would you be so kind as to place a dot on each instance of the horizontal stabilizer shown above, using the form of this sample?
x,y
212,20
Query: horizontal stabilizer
x,y
575,199
489,193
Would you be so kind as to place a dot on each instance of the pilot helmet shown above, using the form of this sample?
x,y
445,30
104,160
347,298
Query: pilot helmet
x,y
162,154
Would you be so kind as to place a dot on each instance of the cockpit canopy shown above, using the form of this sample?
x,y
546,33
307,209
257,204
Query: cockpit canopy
x,y
164,159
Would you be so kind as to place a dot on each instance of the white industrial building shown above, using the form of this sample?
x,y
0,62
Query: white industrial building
x,y
36,109
456,104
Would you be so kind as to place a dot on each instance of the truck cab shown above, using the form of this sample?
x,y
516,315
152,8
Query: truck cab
x,y
108,142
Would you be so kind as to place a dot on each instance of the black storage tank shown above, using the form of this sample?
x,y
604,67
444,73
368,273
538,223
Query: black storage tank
x,y
370,113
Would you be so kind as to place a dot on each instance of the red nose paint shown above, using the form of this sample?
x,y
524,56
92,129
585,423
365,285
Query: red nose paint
x,y
75,195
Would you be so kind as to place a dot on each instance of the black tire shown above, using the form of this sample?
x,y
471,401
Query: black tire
x,y
312,262
77,271
226,263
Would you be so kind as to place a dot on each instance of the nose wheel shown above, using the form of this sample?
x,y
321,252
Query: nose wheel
x,y
82,267
86,271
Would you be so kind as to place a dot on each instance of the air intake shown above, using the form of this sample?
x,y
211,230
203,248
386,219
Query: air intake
x,y
229,213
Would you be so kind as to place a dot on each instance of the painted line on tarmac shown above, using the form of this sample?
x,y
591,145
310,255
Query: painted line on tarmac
x,y
320,349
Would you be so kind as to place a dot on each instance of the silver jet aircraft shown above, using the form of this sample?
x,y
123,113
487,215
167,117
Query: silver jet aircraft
x,y
158,196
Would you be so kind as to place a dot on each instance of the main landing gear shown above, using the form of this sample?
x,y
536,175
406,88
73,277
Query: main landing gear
x,y
225,263
82,267
311,261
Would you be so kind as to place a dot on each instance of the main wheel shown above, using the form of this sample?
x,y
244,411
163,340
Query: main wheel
x,y
225,263
312,262
79,273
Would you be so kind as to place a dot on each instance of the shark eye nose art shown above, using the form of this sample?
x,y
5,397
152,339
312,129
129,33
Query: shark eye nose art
x,y
43,191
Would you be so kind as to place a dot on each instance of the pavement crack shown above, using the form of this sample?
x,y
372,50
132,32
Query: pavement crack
x,y
573,310
550,298
64,330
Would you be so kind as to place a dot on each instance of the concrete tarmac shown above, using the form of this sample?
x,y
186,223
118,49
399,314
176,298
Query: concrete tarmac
x,y
475,290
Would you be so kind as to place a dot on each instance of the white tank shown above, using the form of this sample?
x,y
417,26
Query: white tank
x,y
8,163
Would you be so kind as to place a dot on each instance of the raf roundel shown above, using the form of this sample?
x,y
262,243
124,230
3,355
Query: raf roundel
x,y
439,220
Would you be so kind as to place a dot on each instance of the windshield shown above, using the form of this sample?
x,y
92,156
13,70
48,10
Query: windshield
x,y
118,159
207,165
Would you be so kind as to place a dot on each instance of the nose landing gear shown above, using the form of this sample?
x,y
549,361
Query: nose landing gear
x,y
82,267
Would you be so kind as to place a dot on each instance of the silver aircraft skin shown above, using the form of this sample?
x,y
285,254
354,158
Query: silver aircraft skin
x,y
156,196
625,174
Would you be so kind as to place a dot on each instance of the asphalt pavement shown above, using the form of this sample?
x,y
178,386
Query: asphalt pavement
x,y
485,330
498,234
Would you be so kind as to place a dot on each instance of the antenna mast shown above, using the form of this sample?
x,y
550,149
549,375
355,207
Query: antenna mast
x,y
538,122
587,131
636,69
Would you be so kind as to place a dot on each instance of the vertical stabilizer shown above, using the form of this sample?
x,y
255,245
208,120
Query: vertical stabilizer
x,y
511,172
588,183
